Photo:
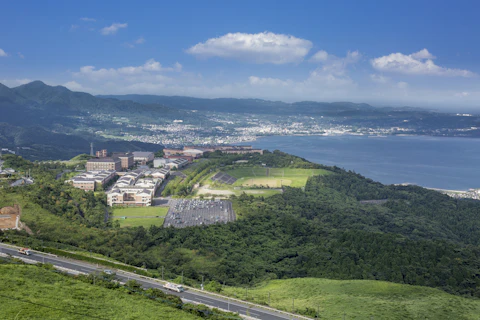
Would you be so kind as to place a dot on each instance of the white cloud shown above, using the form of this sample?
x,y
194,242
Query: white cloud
x,y
177,67
256,81
402,85
147,70
21,55
265,47
333,64
74,27
418,63
320,56
3,53
140,40
378,78
113,28
462,94
88,19
15,82
423,54
74,86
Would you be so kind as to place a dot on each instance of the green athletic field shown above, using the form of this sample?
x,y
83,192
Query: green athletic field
x,y
139,216
273,177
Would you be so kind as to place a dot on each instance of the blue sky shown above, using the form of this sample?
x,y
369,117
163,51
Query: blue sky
x,y
418,53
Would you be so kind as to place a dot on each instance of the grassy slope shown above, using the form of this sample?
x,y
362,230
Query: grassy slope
x,y
362,299
51,290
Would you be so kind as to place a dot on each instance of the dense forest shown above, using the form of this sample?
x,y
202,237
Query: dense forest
x,y
330,229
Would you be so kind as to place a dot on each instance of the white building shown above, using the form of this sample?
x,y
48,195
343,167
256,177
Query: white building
x,y
132,189
141,156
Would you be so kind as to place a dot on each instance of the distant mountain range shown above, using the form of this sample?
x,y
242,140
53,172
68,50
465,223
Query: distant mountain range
x,y
60,123
45,119
259,106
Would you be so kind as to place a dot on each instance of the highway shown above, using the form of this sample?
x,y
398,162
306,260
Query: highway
x,y
188,296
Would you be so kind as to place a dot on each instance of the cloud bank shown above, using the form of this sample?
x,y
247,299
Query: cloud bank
x,y
418,63
265,47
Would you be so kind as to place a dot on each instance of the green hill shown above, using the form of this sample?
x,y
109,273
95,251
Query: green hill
x,y
360,299
30,292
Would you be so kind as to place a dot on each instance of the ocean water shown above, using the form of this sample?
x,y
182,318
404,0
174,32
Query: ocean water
x,y
435,162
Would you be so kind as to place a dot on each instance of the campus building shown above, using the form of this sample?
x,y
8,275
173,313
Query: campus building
x,y
143,157
126,159
104,164
89,181
133,189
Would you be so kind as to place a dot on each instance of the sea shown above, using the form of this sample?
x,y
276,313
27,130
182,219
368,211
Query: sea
x,y
451,163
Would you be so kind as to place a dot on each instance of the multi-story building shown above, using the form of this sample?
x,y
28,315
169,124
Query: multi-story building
x,y
89,181
104,164
143,157
133,190
172,158
101,153
160,162
162,173
177,163
126,159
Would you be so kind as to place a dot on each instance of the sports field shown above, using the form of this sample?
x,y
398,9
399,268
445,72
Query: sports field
x,y
273,177
140,216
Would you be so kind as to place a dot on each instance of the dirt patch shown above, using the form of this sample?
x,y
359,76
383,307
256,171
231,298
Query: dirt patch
x,y
205,190
9,217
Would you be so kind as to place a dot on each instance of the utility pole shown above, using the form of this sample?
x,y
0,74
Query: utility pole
x,y
182,277
269,298
318,312
162,272
202,281
293,305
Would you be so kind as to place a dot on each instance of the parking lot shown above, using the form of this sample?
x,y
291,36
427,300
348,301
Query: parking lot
x,y
186,213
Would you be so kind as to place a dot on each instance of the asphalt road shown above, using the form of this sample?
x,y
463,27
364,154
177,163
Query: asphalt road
x,y
199,297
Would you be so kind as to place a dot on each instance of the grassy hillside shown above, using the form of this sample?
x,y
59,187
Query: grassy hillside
x,y
30,292
361,299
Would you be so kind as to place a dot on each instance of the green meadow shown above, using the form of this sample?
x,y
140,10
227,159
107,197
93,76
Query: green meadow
x,y
30,292
360,299
139,216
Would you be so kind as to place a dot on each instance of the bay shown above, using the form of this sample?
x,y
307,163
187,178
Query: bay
x,y
434,162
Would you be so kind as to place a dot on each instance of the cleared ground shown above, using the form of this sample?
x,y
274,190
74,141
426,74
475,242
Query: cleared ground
x,y
140,216
361,299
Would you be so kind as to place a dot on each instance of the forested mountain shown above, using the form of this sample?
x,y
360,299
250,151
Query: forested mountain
x,y
36,143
